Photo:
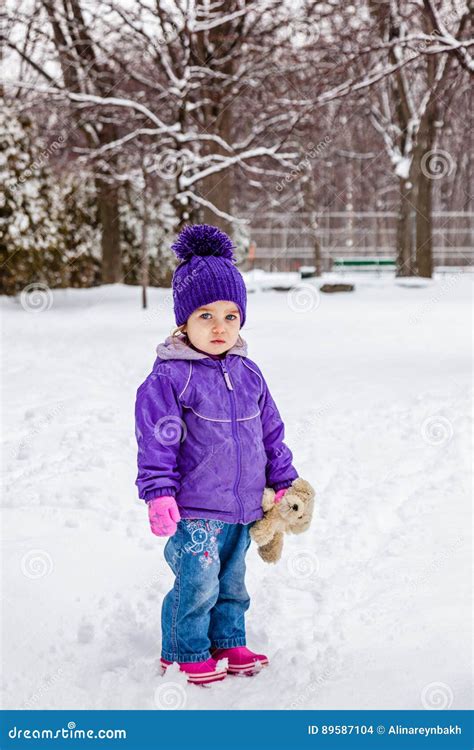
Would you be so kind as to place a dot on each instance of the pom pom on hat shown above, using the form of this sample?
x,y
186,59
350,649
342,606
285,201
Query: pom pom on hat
x,y
203,240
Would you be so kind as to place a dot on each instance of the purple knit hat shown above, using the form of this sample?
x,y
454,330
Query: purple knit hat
x,y
207,272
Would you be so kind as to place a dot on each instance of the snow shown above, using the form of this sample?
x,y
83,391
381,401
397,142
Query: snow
x,y
368,609
403,165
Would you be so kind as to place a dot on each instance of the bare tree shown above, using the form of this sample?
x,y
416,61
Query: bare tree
x,y
404,112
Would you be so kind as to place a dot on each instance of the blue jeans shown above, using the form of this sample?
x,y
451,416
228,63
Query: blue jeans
x,y
207,604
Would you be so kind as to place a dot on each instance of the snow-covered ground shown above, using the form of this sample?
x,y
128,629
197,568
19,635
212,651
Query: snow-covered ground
x,y
369,609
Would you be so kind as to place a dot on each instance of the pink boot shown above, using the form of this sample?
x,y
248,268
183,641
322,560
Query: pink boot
x,y
241,660
198,672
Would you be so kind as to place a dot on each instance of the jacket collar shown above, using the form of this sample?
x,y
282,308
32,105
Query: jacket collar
x,y
175,347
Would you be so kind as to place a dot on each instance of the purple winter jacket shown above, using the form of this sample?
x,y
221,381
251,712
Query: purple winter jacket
x,y
209,433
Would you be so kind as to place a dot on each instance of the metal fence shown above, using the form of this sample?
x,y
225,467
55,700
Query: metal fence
x,y
284,242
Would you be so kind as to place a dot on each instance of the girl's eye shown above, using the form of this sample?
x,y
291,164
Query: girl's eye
x,y
230,316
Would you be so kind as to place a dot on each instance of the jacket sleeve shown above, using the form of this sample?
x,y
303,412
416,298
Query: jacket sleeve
x,y
159,429
280,472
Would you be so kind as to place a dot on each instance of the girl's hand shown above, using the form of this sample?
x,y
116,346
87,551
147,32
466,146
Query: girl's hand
x,y
164,515
279,495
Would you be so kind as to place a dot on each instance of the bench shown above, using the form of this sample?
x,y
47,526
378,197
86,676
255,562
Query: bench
x,y
365,264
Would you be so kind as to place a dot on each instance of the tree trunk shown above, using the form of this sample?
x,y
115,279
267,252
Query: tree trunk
x,y
145,232
108,205
404,230
77,54
308,188
424,187
217,188
424,183
316,248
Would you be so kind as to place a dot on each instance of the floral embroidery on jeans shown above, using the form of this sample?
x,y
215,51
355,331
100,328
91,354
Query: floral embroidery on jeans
x,y
204,539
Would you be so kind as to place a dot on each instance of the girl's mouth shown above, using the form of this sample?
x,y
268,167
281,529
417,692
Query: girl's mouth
x,y
218,341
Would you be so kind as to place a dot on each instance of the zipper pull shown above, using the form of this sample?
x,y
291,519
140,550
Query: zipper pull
x,y
226,377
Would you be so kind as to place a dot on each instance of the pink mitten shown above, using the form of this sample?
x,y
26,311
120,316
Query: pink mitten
x,y
164,515
279,495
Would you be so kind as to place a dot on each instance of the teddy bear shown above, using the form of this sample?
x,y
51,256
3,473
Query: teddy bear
x,y
292,515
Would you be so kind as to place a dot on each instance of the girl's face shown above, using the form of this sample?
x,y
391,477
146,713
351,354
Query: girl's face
x,y
214,328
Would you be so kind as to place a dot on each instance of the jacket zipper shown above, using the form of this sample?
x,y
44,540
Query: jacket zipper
x,y
230,388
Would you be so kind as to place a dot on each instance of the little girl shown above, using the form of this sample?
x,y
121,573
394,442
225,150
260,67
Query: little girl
x,y
210,439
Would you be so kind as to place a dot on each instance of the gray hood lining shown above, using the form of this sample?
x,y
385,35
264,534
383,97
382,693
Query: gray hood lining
x,y
175,347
